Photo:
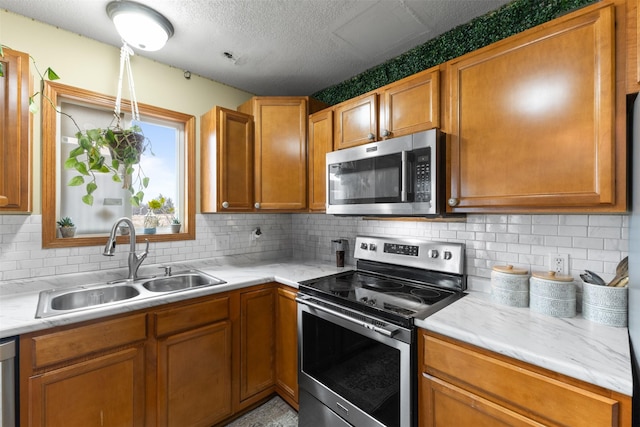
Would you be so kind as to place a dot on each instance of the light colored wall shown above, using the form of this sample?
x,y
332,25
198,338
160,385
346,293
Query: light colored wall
x,y
91,65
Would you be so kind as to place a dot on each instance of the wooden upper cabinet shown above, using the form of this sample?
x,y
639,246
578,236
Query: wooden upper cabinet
x,y
407,106
227,161
280,150
356,121
15,130
533,121
320,143
410,105
632,35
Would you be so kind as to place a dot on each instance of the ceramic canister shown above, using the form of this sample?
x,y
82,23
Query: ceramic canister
x,y
510,286
607,305
552,294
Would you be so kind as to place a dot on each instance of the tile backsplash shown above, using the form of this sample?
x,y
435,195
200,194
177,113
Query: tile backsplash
x,y
594,242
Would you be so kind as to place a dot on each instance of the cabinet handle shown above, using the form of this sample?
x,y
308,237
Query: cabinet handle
x,y
257,205
225,205
453,202
371,137
386,133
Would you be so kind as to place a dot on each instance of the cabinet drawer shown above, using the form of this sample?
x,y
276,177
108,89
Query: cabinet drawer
x,y
84,340
527,392
190,316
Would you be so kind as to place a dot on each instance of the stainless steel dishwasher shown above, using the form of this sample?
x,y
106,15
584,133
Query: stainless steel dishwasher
x,y
8,382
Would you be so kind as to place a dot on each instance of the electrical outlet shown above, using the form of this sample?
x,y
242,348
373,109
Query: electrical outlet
x,y
559,263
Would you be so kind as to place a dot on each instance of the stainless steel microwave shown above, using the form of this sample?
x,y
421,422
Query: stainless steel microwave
x,y
402,176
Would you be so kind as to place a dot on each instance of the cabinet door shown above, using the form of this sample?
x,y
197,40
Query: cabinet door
x,y
194,376
257,339
632,33
445,405
15,128
533,120
227,149
356,121
281,153
287,345
320,143
103,391
410,105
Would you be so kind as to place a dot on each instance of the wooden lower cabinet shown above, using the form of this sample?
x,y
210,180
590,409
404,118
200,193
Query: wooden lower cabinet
x,y
257,343
198,362
90,375
287,345
464,385
194,364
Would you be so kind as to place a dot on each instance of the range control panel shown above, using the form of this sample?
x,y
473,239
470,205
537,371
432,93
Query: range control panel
x,y
393,248
446,257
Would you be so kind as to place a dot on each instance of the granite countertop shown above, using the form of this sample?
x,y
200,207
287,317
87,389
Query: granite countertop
x,y
574,347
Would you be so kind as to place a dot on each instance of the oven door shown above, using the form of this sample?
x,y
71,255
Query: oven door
x,y
353,368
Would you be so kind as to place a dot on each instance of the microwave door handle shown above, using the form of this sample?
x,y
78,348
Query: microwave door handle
x,y
405,176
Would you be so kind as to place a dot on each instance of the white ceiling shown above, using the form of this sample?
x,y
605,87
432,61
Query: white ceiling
x,y
280,47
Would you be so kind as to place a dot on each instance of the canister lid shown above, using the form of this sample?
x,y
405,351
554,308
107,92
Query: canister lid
x,y
509,269
551,275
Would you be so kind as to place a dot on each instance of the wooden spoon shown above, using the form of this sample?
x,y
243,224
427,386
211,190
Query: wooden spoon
x,y
622,271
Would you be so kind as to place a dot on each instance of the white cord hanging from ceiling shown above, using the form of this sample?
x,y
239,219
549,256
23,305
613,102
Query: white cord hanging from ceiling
x,y
125,64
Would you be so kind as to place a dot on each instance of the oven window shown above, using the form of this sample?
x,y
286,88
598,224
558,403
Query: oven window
x,y
373,180
363,371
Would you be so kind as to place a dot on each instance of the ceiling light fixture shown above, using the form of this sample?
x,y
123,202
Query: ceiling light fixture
x,y
140,26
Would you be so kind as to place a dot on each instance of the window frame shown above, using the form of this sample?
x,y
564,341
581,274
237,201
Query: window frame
x,y
55,92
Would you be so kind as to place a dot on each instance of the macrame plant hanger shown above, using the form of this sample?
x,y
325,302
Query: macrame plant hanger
x,y
125,64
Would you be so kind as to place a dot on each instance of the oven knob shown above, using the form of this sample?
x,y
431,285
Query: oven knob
x,y
364,246
433,253
372,246
447,255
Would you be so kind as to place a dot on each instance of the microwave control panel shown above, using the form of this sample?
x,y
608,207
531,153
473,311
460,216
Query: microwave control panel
x,y
422,178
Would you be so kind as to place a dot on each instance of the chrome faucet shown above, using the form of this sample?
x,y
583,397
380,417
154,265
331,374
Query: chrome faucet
x,y
134,260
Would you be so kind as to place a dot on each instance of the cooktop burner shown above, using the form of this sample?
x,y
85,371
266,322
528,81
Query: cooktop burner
x,y
398,280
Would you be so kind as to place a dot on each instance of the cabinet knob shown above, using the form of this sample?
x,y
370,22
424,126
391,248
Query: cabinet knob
x,y
371,137
386,133
453,202
256,205
225,205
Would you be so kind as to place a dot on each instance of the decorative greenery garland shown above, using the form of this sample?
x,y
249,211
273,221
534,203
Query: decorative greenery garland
x,y
510,19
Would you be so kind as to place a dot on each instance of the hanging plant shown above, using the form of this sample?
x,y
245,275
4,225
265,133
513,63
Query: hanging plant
x,y
124,145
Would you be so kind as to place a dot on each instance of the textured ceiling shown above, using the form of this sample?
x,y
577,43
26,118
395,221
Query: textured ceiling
x,y
279,47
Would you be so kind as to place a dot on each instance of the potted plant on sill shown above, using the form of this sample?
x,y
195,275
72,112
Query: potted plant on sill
x,y
159,211
175,225
66,226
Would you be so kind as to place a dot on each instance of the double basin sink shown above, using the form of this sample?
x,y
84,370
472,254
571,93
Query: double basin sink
x,y
62,301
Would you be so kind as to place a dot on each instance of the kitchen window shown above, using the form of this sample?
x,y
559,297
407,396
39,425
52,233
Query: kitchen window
x,y
170,170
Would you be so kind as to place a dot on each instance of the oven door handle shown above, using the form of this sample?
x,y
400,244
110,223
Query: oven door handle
x,y
389,332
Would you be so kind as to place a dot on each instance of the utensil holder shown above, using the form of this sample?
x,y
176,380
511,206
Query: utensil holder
x,y
606,305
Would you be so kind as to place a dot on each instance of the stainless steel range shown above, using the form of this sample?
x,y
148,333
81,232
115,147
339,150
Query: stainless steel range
x,y
357,336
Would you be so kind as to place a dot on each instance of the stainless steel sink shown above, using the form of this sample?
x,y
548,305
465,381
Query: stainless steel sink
x,y
91,297
62,301
181,281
